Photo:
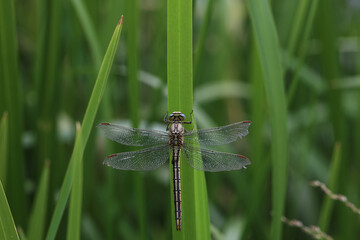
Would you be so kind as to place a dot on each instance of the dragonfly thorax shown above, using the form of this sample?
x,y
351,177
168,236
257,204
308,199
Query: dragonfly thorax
x,y
176,134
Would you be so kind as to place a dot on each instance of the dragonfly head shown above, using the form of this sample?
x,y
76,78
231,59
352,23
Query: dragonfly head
x,y
177,116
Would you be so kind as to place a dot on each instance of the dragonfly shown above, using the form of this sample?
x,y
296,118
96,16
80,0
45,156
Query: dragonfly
x,y
176,140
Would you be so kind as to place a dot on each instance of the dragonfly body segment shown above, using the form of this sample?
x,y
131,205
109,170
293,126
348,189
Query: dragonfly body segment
x,y
176,142
179,141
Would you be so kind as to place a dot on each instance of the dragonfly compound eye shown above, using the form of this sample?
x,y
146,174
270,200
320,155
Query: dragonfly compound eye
x,y
182,116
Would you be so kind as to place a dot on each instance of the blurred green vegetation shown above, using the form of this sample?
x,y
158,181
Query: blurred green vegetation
x,y
303,97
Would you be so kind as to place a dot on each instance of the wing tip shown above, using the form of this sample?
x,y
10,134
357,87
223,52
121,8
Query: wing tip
x,y
242,156
246,163
247,121
103,124
108,159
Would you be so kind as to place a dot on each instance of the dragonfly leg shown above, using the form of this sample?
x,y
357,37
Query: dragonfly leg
x,y
167,120
189,132
191,118
166,117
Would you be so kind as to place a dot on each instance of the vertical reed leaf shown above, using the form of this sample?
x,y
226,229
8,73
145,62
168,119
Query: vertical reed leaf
x,y
269,52
38,215
132,43
328,33
200,44
47,76
21,233
329,60
3,147
295,33
105,110
83,136
195,216
7,225
308,24
260,164
75,209
11,90
327,206
89,30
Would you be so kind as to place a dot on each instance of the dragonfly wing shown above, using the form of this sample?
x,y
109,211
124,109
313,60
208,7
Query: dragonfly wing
x,y
219,135
213,161
141,160
133,136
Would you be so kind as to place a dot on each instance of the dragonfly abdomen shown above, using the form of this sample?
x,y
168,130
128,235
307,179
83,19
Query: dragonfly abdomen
x,y
177,186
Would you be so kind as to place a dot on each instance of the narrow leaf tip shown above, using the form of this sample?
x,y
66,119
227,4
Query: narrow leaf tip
x,y
121,20
47,163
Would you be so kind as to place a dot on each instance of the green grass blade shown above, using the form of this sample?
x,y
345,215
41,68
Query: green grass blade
x,y
38,216
132,43
87,126
106,108
200,45
47,76
260,165
330,65
89,30
22,234
12,96
7,225
300,16
308,75
195,215
3,147
74,219
269,51
309,22
328,204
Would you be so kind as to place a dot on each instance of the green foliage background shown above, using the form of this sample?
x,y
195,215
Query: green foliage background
x,y
292,67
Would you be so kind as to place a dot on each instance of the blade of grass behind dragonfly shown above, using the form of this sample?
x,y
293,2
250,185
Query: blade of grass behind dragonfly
x,y
21,233
200,44
309,22
47,76
260,165
74,218
158,61
195,212
327,33
38,215
80,143
132,43
12,96
269,53
89,30
3,147
300,16
328,203
106,110
7,225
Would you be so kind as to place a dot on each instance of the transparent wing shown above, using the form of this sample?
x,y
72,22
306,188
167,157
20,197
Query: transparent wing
x,y
219,135
213,161
133,136
141,160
